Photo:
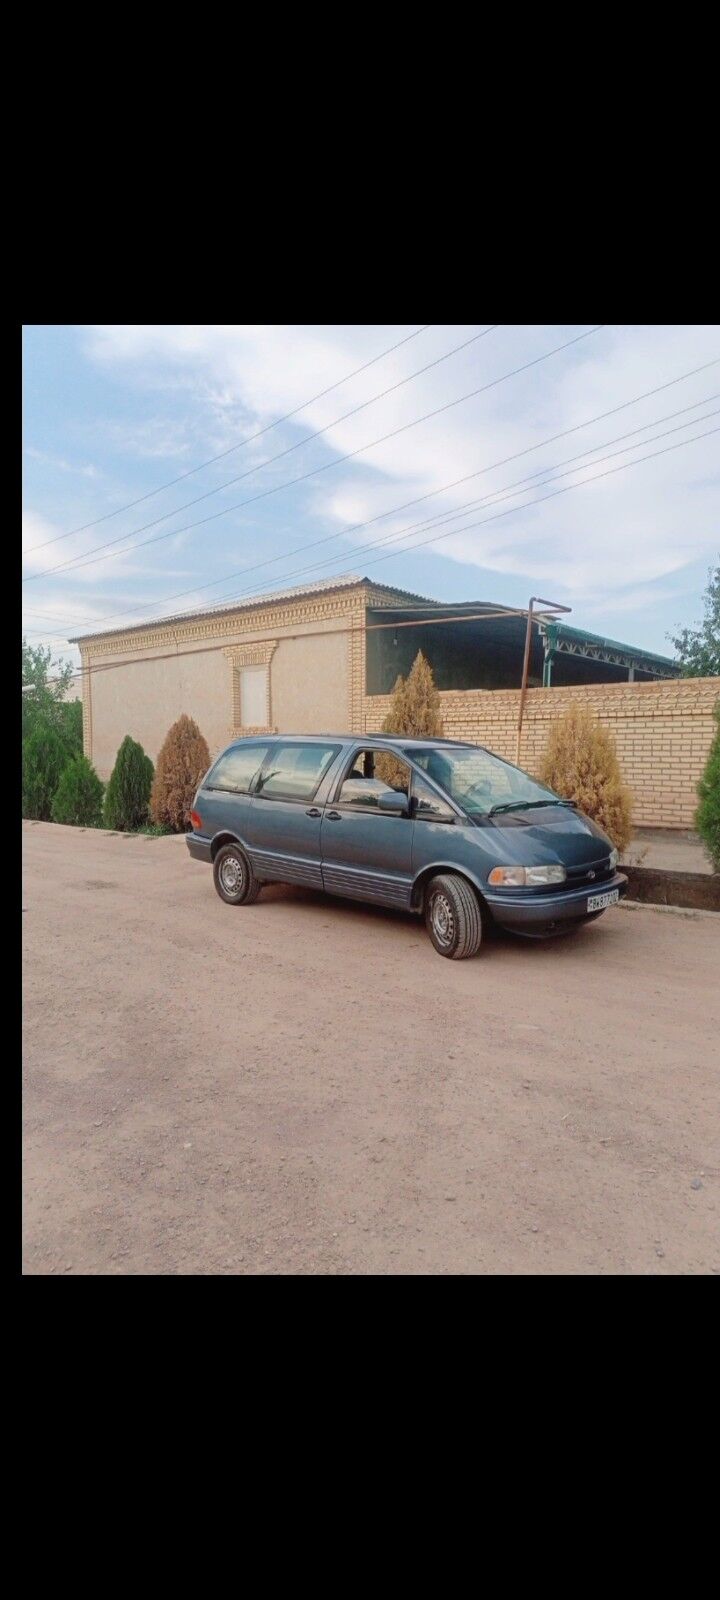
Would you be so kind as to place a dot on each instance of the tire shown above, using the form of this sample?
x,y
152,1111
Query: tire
x,y
234,878
453,917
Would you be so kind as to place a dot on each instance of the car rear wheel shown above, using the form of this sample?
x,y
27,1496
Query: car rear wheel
x,y
452,917
234,878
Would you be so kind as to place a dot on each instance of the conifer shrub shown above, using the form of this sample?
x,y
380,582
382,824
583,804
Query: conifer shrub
x,y
127,796
580,763
414,711
79,795
415,708
44,755
707,816
182,762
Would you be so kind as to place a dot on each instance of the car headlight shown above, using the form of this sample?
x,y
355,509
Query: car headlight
x,y
516,877
613,860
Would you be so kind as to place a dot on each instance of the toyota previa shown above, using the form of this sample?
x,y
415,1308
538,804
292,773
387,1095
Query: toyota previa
x,y
444,829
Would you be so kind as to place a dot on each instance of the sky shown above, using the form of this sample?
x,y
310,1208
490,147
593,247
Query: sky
x,y
113,413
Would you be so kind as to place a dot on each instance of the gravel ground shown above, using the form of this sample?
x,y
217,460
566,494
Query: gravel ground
x,y
304,1086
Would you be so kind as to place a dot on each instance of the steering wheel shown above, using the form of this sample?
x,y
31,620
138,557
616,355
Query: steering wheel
x,y
481,791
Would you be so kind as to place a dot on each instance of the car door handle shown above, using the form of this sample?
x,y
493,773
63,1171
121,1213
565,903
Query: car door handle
x,y
333,816
313,812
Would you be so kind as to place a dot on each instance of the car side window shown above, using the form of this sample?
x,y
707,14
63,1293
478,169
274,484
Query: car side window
x,y
427,805
372,773
236,768
294,771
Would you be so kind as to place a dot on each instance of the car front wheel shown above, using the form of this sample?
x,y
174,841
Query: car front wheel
x,y
234,878
452,917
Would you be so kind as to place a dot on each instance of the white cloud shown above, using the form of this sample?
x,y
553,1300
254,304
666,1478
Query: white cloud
x,y
595,543
60,464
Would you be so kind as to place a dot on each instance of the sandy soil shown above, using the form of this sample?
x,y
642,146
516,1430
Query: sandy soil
x,y
306,1087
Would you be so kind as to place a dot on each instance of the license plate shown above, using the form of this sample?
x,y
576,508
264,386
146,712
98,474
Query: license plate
x,y
598,902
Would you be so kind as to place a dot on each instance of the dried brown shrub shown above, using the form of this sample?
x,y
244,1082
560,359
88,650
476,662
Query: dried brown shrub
x,y
182,762
415,712
580,764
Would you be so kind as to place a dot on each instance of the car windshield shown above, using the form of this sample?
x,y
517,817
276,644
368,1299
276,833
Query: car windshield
x,y
479,781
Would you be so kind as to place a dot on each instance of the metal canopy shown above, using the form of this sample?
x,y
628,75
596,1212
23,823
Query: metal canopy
x,y
560,639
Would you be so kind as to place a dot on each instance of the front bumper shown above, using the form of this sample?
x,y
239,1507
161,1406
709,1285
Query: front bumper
x,y
200,849
538,913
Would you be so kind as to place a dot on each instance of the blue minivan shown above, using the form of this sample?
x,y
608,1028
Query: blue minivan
x,y
438,827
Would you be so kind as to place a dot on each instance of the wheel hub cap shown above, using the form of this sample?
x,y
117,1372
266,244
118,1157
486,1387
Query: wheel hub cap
x,y
441,917
231,875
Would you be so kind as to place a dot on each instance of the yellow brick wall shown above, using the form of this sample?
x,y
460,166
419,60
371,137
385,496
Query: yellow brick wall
x,y
662,733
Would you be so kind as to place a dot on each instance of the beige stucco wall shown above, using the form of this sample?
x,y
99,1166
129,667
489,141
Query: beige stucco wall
x,y
144,697
140,681
309,684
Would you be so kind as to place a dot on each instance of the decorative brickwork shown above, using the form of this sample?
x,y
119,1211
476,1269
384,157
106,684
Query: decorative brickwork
x,y
86,705
259,654
662,733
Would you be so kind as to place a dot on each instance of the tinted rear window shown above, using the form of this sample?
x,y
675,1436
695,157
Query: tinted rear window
x,y
236,769
294,771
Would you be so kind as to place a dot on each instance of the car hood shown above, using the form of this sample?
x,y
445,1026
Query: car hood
x,y
551,834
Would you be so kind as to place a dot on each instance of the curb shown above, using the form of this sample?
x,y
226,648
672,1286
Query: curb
x,y
690,891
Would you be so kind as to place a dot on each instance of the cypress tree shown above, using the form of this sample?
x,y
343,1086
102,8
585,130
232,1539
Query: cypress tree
x,y
128,793
79,795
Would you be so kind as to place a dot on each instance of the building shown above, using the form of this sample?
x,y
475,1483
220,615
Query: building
x,y
318,657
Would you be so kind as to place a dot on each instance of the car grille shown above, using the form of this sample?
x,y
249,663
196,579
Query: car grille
x,y
595,872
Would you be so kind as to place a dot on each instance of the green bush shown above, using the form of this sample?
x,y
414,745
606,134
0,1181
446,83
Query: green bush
x,y
127,796
707,816
44,756
70,726
79,795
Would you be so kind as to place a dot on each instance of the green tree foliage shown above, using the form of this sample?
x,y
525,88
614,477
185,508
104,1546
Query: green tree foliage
x,y
580,764
182,762
79,795
44,756
47,683
127,796
698,649
707,816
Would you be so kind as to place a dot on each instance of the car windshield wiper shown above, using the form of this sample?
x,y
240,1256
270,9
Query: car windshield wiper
x,y
524,805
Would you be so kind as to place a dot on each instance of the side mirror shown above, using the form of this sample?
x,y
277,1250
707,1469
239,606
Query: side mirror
x,y
394,804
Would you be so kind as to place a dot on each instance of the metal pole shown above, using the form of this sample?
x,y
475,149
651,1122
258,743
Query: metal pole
x,y
523,686
551,605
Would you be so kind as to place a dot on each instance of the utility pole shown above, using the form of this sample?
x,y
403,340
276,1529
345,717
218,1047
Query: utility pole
x,y
551,606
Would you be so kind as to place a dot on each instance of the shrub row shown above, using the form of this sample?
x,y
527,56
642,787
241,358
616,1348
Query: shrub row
x,y
61,785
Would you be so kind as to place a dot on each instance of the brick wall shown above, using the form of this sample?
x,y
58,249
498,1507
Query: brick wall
x,y
662,733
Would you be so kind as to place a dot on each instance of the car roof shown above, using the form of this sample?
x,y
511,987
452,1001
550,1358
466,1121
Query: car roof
x,y
349,738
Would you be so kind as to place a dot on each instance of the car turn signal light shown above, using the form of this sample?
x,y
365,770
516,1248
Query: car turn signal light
x,y
517,877
196,821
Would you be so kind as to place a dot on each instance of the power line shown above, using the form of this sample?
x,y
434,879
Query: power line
x,y
208,494
76,562
566,490
353,528
498,496
240,446
432,493
435,539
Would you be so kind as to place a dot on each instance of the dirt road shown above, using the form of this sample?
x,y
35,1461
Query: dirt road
x,y
304,1086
